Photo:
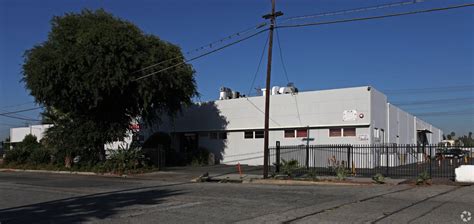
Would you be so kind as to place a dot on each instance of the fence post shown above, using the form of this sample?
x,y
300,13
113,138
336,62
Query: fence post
x,y
430,161
349,157
277,159
386,158
307,155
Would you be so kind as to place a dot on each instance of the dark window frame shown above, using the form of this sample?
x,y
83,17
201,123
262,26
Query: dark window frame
x,y
247,135
259,134
352,135
335,129
298,131
289,133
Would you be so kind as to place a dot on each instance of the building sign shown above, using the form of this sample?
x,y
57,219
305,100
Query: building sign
x,y
363,137
349,115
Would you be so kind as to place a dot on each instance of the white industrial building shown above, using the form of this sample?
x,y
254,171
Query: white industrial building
x,y
232,127
18,134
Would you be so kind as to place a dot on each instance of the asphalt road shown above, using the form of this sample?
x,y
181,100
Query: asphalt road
x,y
52,198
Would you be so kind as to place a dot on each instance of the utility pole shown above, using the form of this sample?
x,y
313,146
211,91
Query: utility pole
x,y
272,16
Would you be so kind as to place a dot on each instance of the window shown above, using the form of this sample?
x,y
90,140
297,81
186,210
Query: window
x,y
222,135
248,134
302,133
349,132
290,133
259,134
213,135
204,135
335,132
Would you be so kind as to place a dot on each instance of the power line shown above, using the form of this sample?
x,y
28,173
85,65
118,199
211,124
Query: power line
x,y
18,105
377,17
258,66
347,11
19,118
206,46
202,55
281,57
19,115
286,75
19,111
261,111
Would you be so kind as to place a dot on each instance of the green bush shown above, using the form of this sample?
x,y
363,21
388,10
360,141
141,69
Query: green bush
x,y
39,155
200,157
27,151
16,155
339,168
124,160
29,142
423,178
312,175
379,178
289,167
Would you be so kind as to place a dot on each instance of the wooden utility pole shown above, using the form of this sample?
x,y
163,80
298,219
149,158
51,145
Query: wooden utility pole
x,y
272,16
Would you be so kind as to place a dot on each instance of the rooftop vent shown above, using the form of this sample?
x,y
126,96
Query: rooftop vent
x,y
227,93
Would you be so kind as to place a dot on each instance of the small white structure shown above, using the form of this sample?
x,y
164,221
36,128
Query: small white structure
x,y
232,127
18,134
465,174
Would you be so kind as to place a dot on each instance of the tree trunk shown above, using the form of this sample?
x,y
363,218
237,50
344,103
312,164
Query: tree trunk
x,y
68,161
101,150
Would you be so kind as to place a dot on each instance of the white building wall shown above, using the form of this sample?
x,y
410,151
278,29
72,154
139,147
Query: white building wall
x,y
317,110
18,134
411,131
378,117
250,151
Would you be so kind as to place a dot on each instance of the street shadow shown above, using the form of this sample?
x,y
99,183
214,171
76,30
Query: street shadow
x,y
86,208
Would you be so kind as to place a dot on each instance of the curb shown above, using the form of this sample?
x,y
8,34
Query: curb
x,y
301,182
62,172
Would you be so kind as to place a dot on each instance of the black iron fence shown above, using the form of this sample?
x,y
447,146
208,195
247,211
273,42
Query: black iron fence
x,y
396,161
155,156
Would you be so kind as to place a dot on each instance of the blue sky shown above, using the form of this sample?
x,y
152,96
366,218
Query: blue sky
x,y
411,52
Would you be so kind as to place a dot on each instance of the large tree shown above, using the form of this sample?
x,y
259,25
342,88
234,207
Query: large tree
x,y
86,72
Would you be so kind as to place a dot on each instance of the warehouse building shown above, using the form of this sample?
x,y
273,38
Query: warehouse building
x,y
232,127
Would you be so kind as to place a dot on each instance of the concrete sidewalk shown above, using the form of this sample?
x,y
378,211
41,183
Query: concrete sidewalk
x,y
215,172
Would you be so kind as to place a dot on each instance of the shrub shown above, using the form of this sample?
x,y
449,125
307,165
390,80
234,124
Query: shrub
x,y
339,168
288,167
312,175
22,153
124,160
379,178
39,155
200,157
17,155
423,178
29,142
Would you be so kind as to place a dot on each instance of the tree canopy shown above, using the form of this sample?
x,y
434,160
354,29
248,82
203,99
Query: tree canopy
x,y
86,71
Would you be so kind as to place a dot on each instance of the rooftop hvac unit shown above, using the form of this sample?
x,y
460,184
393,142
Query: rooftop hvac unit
x,y
225,93
275,90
